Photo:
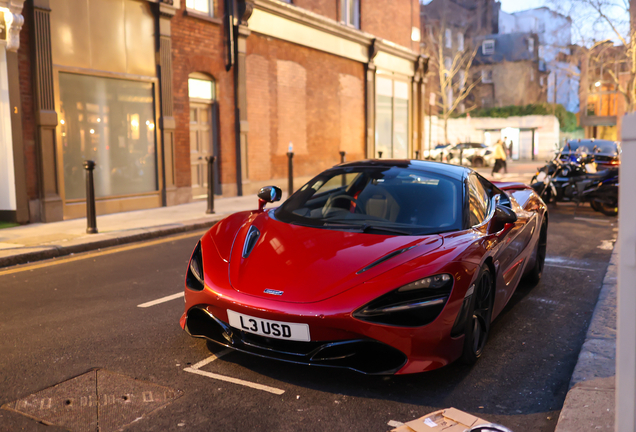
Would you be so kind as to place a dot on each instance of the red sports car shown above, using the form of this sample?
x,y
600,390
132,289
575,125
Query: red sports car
x,y
379,266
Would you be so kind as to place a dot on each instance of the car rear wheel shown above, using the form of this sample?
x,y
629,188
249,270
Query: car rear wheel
x,y
478,162
537,271
478,325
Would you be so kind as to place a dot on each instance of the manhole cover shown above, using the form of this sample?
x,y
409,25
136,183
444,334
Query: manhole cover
x,y
98,400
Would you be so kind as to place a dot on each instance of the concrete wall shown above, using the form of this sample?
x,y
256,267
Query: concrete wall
x,y
474,130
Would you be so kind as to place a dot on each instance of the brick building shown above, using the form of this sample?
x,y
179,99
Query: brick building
x,y
602,104
510,70
149,89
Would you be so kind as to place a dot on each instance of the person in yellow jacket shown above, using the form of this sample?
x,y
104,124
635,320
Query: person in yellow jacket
x,y
500,157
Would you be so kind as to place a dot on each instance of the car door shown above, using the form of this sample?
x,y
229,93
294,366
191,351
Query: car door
x,y
512,247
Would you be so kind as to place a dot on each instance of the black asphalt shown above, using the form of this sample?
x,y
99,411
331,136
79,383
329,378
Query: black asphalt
x,y
60,321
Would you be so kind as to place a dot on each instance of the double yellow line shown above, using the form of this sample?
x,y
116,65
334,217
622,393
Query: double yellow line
x,y
109,251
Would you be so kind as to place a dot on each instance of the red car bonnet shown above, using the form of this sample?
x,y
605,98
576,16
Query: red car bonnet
x,y
312,264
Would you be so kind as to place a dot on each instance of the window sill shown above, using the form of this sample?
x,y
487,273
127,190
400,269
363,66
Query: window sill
x,y
204,17
349,25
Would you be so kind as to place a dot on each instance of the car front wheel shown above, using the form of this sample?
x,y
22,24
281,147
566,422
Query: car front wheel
x,y
480,315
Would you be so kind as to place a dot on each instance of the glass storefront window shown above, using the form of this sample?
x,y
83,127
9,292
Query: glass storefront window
x,y
112,122
391,118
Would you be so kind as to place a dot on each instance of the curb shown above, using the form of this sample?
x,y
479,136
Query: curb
x,y
56,251
589,403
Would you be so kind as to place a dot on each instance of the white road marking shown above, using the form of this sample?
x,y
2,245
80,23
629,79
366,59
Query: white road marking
x,y
236,381
568,267
565,261
195,370
592,219
607,244
211,358
394,423
161,300
543,300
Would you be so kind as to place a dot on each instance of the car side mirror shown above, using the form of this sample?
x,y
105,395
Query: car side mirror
x,y
503,215
268,194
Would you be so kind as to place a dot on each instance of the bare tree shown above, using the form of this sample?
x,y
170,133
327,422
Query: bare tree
x,y
614,21
451,69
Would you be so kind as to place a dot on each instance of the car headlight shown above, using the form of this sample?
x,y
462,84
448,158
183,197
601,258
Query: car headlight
x,y
413,305
194,276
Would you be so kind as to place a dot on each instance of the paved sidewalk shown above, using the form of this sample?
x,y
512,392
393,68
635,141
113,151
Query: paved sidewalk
x,y
40,241
589,404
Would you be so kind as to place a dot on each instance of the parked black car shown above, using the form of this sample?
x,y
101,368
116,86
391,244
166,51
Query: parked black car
x,y
606,153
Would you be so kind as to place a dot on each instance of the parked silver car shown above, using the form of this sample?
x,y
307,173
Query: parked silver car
x,y
474,154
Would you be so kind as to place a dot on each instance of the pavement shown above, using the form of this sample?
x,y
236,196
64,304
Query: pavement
x,y
39,241
589,404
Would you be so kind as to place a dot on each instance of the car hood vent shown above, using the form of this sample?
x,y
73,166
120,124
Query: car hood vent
x,y
250,241
385,258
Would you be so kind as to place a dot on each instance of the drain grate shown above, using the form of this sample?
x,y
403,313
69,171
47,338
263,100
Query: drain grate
x,y
98,400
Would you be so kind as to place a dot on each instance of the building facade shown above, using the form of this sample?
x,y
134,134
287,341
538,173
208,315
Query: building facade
x,y
602,104
554,32
509,70
150,89
448,30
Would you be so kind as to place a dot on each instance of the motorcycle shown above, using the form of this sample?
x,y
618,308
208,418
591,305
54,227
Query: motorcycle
x,y
568,180
604,196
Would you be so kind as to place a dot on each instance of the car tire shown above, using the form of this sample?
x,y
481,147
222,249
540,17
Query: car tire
x,y
477,162
480,315
534,276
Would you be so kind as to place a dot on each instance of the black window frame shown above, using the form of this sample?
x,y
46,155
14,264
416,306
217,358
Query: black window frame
x,y
491,191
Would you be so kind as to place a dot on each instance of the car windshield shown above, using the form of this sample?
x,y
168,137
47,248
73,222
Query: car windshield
x,y
377,200
607,147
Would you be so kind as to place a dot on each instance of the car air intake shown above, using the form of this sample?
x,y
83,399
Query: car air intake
x,y
250,241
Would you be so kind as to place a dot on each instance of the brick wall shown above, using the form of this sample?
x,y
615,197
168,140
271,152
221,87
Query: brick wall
x,y
27,100
258,117
391,20
350,93
198,46
291,99
301,92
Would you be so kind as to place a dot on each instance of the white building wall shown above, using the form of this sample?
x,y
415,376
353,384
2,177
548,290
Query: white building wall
x,y
480,129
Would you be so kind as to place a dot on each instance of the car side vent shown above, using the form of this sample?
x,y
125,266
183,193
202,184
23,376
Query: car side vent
x,y
250,241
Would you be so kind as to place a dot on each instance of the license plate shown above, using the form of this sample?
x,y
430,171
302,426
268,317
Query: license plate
x,y
269,328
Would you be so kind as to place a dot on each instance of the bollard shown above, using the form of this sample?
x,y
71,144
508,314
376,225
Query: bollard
x,y
290,170
91,220
342,160
379,155
210,160
417,154
461,155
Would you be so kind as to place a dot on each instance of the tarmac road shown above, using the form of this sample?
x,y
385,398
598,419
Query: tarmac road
x,y
61,318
